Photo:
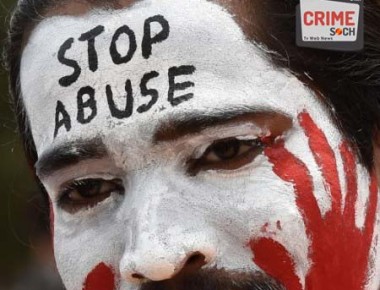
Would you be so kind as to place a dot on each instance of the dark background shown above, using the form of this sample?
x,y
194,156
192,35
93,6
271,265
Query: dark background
x,y
19,197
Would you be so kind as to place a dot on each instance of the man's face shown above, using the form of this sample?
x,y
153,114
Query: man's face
x,y
165,137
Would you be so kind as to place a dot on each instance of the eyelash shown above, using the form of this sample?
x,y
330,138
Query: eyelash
x,y
254,147
79,187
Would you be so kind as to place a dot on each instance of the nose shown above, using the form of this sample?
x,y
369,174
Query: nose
x,y
159,271
158,267
162,253
159,263
164,237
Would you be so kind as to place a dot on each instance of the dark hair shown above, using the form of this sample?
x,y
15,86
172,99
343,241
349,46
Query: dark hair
x,y
349,82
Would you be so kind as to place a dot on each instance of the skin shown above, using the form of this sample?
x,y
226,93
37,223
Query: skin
x,y
172,196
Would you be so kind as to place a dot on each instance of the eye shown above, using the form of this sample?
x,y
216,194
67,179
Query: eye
x,y
86,193
227,154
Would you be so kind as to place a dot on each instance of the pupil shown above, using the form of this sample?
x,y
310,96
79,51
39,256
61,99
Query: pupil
x,y
90,187
227,149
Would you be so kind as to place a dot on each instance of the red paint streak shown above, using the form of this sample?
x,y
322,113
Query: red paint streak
x,y
273,258
324,156
349,167
100,278
339,251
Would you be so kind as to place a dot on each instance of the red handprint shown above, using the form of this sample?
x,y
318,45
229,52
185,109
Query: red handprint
x,y
339,251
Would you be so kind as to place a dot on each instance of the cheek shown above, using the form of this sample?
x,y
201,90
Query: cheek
x,y
88,248
252,204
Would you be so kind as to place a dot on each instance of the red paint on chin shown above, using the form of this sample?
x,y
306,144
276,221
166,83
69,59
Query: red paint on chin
x,y
339,251
100,278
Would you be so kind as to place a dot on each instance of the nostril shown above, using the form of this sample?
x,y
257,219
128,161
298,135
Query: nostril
x,y
193,263
137,276
196,259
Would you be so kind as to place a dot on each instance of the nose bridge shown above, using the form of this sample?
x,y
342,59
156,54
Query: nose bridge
x,y
160,237
148,214
146,196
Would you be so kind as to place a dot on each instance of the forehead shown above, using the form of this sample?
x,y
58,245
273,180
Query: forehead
x,y
204,56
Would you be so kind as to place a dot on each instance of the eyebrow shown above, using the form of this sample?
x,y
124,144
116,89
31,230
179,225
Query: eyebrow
x,y
70,154
196,122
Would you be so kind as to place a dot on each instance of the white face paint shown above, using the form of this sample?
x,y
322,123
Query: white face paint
x,y
166,214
